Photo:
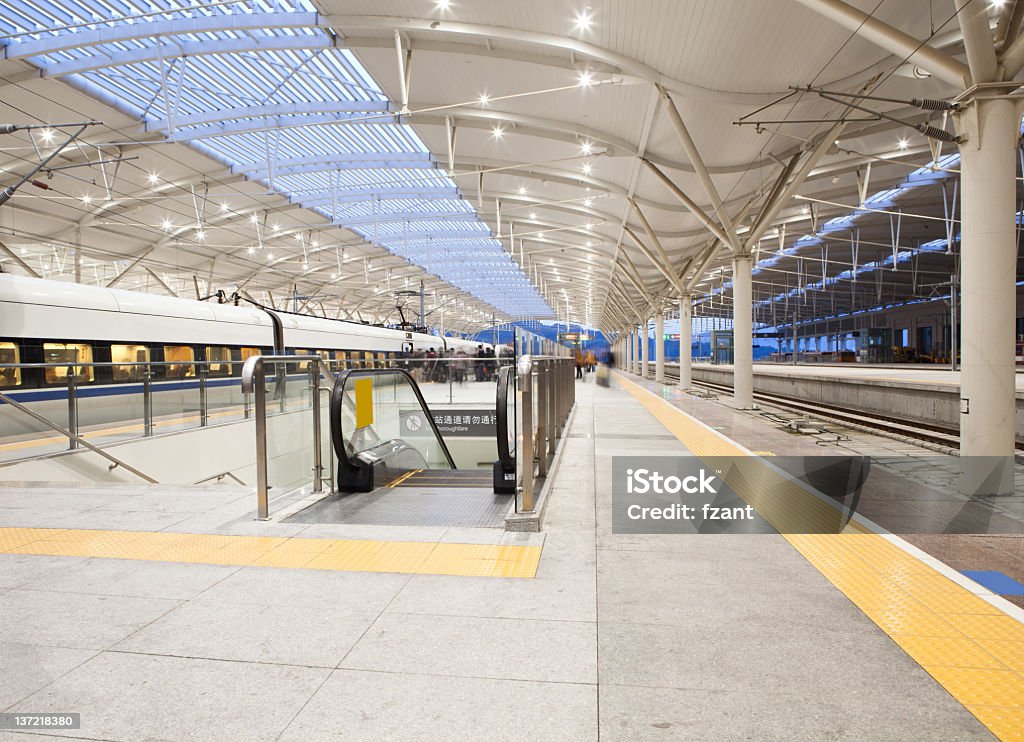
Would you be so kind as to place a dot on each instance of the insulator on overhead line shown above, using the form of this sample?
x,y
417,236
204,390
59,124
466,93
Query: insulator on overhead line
x,y
40,184
931,104
8,128
5,194
933,132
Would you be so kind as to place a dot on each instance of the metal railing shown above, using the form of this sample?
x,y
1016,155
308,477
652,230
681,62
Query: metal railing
x,y
254,382
141,373
545,395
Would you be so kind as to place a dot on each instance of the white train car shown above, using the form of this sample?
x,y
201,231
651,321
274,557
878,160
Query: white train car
x,y
190,344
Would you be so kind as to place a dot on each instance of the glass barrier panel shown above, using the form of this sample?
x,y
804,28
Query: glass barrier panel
x,y
382,407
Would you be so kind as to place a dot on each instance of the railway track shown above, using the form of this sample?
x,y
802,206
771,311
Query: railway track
x,y
929,433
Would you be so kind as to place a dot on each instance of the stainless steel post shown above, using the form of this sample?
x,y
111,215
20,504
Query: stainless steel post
x,y
262,487
524,440
147,403
203,411
318,467
72,407
553,425
543,418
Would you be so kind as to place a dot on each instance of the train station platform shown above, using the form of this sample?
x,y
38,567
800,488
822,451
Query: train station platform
x,y
907,397
169,613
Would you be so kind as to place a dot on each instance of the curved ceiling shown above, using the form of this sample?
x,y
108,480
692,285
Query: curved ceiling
x,y
527,159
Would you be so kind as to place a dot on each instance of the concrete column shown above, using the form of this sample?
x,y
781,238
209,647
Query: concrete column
x,y
630,350
685,341
988,270
645,351
742,333
636,351
659,347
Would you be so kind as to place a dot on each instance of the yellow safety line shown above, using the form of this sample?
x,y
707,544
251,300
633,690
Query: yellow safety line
x,y
401,478
974,650
412,557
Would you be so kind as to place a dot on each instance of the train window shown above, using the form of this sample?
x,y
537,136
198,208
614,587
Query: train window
x,y
249,353
325,354
218,360
67,354
302,365
10,353
130,356
180,361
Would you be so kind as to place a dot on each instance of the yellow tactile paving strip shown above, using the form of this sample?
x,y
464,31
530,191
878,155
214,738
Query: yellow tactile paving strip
x,y
411,557
974,650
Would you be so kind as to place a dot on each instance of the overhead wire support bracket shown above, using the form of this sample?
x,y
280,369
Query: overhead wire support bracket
x,y
926,104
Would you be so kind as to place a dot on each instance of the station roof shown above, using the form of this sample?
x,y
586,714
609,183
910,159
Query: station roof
x,y
527,159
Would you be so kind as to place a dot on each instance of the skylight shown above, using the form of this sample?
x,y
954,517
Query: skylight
x,y
261,86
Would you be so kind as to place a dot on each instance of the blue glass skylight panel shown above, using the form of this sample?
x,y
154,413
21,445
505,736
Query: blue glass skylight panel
x,y
289,110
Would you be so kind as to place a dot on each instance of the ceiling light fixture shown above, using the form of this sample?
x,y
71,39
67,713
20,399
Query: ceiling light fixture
x,y
586,79
522,190
587,167
223,208
497,132
903,143
533,214
153,178
167,225
443,4
583,20
86,199
587,148
484,99
200,235
47,135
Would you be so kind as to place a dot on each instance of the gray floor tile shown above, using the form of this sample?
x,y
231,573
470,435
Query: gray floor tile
x,y
555,651
142,579
315,637
631,714
134,697
372,707
75,619
25,668
17,569
343,592
541,598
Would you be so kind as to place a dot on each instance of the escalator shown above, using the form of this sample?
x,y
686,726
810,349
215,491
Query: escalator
x,y
504,474
393,465
382,429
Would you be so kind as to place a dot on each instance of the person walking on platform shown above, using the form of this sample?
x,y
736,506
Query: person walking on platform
x,y
478,364
579,364
590,361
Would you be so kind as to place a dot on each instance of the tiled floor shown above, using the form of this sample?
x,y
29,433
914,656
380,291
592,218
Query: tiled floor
x,y
615,637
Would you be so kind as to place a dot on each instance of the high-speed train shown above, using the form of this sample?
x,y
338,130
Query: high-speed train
x,y
67,323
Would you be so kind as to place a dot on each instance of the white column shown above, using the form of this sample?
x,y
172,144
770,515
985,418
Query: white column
x,y
636,351
685,341
742,333
988,267
644,350
659,347
630,351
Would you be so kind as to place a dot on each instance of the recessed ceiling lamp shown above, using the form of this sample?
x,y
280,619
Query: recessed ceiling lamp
x,y
200,235
86,199
522,190
497,132
47,135
443,4
153,178
484,99
587,168
270,256
223,208
167,225
587,203
533,214
903,143
586,79
583,20
587,148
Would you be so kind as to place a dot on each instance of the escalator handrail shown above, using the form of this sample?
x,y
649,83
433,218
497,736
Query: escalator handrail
x,y
505,374
338,392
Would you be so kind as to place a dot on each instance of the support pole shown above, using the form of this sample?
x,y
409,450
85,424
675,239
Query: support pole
x,y
742,333
645,351
685,341
988,294
659,347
